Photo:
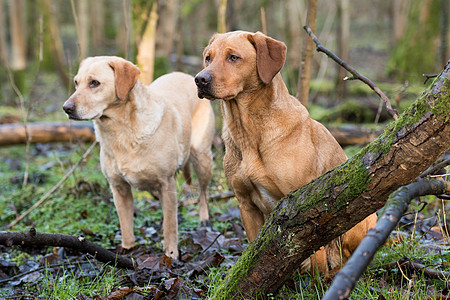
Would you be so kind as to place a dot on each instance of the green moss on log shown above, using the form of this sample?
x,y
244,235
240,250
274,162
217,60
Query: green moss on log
x,y
346,181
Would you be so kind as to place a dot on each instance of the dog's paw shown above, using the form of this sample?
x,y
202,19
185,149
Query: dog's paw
x,y
124,251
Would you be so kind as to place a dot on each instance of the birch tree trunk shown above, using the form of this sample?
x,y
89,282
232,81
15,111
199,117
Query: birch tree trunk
x,y
315,214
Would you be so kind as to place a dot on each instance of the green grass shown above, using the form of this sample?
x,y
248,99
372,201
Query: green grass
x,y
84,202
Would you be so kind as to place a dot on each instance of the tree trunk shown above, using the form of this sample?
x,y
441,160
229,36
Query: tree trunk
x,y
146,48
18,35
165,31
83,34
343,37
55,41
294,10
307,54
97,28
315,214
222,16
3,44
399,14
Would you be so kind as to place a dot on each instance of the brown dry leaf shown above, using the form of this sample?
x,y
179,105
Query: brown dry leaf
x,y
177,289
119,294
154,267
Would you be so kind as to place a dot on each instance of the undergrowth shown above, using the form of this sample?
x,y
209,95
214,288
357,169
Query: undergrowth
x,y
84,204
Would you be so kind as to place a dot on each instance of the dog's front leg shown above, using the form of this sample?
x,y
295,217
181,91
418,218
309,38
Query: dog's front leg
x,y
123,200
170,221
252,218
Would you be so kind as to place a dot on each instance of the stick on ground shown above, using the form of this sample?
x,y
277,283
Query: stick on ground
x,y
33,238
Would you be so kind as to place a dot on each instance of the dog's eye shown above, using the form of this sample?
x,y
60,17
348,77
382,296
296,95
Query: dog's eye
x,y
76,83
208,59
94,83
234,58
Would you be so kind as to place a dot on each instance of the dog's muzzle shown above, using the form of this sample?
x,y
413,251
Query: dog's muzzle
x,y
203,81
70,109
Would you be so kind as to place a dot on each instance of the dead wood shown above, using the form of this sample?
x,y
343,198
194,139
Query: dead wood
x,y
347,135
346,278
413,266
315,214
50,132
33,238
46,132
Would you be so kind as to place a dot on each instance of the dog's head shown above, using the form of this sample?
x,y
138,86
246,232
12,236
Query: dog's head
x,y
238,61
101,82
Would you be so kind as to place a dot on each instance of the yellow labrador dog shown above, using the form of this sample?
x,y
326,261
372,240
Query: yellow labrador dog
x,y
272,145
146,133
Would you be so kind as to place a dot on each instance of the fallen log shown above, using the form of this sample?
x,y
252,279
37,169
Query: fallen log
x,y
349,134
46,132
50,132
33,238
322,210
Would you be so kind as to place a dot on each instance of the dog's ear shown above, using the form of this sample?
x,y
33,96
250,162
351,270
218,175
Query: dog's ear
x,y
270,56
125,77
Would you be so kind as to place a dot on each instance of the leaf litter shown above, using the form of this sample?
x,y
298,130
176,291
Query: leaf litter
x,y
155,276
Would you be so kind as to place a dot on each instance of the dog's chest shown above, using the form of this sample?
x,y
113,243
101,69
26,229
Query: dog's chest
x,y
128,168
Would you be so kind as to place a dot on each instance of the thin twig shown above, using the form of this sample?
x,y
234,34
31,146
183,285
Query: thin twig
x,y
355,74
429,76
435,168
45,197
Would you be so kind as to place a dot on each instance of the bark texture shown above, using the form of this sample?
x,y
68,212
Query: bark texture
x,y
315,214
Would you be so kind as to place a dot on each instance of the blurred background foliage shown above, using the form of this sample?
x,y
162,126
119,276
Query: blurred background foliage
x,y
391,42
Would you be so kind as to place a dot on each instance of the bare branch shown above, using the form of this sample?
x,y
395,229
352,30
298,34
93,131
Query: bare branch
x,y
33,238
429,76
355,74
397,203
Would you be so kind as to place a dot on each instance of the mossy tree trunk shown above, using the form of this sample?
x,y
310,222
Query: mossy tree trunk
x,y
314,215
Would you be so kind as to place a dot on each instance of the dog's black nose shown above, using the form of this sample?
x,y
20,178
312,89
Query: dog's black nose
x,y
69,107
203,79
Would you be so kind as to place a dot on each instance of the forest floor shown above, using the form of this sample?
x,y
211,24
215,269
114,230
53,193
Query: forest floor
x,y
83,206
